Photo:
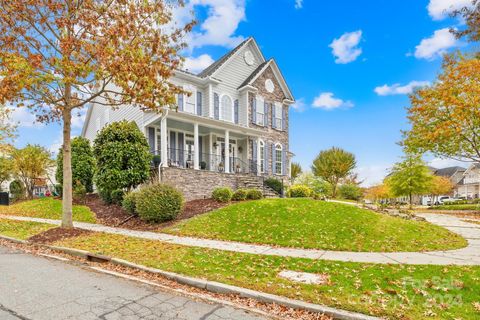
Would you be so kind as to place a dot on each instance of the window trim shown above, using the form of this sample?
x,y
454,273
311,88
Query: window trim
x,y
278,116
278,163
193,90
221,107
260,102
261,155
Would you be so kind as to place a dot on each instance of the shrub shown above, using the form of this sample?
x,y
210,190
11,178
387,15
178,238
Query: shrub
x,y
222,194
254,194
158,203
274,184
129,202
240,195
123,157
79,192
58,190
299,191
117,196
105,195
17,190
83,163
350,191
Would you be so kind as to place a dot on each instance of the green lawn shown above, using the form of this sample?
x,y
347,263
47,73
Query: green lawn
x,y
393,291
459,207
47,208
22,229
308,223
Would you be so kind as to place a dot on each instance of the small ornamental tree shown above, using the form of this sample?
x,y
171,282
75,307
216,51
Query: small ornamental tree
x,y
440,186
29,164
295,170
83,163
378,192
58,56
410,177
123,157
333,165
6,170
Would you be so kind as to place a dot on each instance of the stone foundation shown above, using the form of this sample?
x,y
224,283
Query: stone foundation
x,y
197,184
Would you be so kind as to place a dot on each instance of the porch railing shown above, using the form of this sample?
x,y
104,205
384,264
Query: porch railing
x,y
180,158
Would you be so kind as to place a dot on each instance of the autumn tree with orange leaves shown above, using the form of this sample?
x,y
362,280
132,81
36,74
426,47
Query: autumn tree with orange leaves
x,y
445,117
57,56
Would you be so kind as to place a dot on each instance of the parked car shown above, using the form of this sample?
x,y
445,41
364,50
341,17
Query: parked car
x,y
442,200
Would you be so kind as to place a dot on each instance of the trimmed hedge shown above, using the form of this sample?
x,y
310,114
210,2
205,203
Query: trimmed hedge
x,y
274,184
299,191
158,203
222,194
129,202
240,195
117,196
254,194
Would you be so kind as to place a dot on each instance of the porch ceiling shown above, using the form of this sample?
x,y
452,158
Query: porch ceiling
x,y
202,129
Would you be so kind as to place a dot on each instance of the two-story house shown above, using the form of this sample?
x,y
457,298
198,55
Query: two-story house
x,y
233,126
469,186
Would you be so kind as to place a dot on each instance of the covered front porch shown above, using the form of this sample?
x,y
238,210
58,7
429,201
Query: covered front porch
x,y
182,143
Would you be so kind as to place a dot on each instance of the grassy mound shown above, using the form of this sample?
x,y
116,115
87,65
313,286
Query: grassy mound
x,y
305,223
47,208
22,229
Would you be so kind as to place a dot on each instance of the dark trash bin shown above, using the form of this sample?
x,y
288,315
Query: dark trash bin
x,y
4,199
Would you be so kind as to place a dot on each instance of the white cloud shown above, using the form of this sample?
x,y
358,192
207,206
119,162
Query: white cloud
x,y
440,9
298,4
327,101
78,118
345,49
396,88
372,175
299,105
22,117
220,25
436,45
440,163
197,64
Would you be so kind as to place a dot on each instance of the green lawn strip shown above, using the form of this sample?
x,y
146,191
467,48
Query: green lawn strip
x,y
307,223
47,208
22,229
395,291
457,207
472,221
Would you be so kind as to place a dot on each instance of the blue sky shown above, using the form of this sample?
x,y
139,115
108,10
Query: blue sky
x,y
349,65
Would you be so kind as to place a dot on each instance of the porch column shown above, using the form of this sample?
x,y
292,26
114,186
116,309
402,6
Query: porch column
x,y
163,141
196,148
227,151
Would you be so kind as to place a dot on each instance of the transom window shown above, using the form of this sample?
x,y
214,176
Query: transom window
x,y
278,159
260,116
262,156
226,108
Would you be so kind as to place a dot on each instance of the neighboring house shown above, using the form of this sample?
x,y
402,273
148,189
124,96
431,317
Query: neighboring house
x,y
469,186
231,130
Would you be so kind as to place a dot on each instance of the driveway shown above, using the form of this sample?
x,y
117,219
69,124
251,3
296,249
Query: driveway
x,y
35,287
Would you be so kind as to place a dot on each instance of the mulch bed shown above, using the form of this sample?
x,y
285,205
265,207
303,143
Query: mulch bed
x,y
116,216
57,234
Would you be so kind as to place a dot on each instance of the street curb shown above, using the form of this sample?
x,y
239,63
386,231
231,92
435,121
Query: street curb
x,y
216,287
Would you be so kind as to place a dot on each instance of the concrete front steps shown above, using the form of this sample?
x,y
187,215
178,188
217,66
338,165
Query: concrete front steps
x,y
255,182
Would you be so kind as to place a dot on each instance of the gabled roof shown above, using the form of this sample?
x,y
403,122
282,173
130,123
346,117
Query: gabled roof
x,y
276,70
210,70
448,172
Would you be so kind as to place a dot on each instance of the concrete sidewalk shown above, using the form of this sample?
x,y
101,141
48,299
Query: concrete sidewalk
x,y
469,255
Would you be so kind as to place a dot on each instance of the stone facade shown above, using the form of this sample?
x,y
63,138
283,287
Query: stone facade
x,y
272,136
197,184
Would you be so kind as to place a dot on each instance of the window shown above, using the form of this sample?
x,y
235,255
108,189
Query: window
x,y
261,151
260,116
190,99
226,106
278,159
278,116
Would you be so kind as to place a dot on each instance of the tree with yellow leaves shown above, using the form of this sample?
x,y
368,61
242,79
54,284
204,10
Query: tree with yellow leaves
x,y
440,186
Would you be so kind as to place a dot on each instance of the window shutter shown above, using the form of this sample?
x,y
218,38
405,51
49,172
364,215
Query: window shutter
x,y
173,153
265,158
216,106
274,158
254,110
235,111
181,149
274,123
284,118
180,102
254,151
199,103
151,139
284,160
265,117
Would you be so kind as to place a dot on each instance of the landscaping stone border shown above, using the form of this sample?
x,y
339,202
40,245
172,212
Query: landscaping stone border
x,y
213,286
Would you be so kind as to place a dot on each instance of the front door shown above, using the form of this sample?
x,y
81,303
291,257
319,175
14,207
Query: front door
x,y
189,153
233,155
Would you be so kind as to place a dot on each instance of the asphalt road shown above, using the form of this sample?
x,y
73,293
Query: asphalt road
x,y
35,287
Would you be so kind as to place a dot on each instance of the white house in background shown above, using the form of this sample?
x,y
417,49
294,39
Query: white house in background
x,y
232,127
469,185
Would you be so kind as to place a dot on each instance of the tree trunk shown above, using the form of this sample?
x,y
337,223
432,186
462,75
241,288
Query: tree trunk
x,y
67,164
411,200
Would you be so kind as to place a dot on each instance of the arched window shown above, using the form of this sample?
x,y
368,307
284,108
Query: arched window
x,y
226,108
278,159
261,151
